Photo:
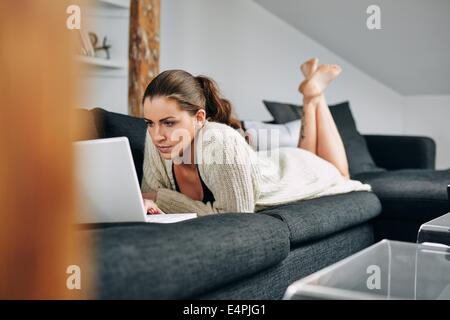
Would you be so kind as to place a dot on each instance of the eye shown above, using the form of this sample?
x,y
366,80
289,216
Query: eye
x,y
149,123
169,123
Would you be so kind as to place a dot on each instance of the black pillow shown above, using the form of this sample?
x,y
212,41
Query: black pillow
x,y
111,124
359,158
282,112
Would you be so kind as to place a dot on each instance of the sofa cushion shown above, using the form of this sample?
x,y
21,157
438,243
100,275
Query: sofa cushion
x,y
283,112
414,194
316,218
180,260
301,262
111,124
358,155
359,158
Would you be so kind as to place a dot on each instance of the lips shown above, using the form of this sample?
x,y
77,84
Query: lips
x,y
164,149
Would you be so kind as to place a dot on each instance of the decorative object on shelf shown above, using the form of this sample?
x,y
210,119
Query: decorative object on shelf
x,y
85,43
143,50
104,47
88,48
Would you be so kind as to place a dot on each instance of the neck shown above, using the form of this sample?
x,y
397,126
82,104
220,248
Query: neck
x,y
188,154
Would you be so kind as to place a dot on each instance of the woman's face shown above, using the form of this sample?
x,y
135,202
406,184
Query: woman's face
x,y
171,128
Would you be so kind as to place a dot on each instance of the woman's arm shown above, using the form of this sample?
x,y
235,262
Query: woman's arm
x,y
149,195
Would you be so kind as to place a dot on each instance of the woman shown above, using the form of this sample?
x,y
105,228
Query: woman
x,y
196,162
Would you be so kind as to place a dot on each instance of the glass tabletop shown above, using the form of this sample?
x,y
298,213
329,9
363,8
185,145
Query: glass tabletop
x,y
385,270
437,230
441,223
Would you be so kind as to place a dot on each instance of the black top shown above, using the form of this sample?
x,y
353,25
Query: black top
x,y
207,194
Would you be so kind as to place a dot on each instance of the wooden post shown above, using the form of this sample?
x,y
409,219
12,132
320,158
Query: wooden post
x,y
143,51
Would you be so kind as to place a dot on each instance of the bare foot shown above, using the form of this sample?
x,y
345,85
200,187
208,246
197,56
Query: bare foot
x,y
324,74
309,67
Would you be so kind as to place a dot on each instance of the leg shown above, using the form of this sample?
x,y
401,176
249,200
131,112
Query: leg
x,y
319,133
308,130
329,142
308,134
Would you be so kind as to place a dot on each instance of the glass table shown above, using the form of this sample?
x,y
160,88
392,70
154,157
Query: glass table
x,y
385,270
436,231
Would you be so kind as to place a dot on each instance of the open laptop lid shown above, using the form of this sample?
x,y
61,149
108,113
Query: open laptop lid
x,y
106,179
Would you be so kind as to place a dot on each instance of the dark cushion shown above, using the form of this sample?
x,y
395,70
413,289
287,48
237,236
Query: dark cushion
x,y
358,155
359,158
413,194
111,124
317,218
180,260
283,112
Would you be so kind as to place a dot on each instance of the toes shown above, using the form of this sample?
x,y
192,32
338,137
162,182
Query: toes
x,y
315,63
327,68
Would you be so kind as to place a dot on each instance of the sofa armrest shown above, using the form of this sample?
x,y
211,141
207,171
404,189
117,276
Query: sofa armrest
x,y
402,152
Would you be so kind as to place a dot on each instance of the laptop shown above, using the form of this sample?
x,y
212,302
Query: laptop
x,y
108,186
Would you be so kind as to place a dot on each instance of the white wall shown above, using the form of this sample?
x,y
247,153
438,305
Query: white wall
x,y
430,116
254,55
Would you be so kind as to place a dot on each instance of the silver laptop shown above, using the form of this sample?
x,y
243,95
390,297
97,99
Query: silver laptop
x,y
108,186
107,183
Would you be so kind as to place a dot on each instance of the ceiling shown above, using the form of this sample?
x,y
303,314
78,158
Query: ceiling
x,y
410,53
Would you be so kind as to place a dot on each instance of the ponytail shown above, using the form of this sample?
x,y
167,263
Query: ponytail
x,y
218,109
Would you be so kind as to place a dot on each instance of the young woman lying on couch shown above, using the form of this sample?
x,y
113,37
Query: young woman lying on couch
x,y
196,161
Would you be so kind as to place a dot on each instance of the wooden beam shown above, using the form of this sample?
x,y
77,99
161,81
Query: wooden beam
x,y
143,51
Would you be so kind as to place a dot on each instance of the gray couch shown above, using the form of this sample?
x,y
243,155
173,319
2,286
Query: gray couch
x,y
256,256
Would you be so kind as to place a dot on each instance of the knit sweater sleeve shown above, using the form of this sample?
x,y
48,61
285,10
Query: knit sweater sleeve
x,y
230,171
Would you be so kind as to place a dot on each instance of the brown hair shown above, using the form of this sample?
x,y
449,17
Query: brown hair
x,y
192,94
37,196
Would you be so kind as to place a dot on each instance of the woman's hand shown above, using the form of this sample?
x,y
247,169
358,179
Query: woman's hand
x,y
151,207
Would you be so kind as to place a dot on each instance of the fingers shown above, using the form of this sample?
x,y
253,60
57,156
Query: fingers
x,y
153,211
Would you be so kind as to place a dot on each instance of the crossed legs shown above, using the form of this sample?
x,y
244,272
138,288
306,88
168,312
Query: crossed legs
x,y
319,133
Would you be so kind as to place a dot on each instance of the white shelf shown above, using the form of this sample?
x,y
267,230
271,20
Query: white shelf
x,y
99,62
117,3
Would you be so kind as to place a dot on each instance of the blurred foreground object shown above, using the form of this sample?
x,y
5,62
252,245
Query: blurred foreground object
x,y
37,126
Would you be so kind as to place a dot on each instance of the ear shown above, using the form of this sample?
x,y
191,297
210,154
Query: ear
x,y
200,117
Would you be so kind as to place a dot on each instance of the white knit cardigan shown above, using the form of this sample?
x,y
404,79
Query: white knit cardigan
x,y
241,179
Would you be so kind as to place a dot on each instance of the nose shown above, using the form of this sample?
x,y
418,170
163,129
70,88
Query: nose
x,y
158,134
